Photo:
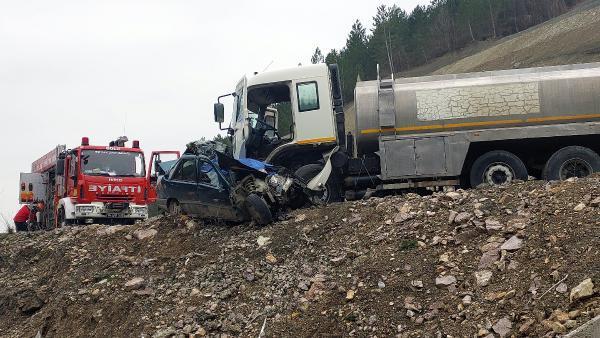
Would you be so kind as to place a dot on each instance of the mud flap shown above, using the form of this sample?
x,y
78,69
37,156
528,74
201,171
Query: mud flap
x,y
319,181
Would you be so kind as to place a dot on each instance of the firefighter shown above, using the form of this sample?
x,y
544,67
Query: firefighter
x,y
22,217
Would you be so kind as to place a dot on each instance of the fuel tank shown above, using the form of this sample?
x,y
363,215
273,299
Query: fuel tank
x,y
449,103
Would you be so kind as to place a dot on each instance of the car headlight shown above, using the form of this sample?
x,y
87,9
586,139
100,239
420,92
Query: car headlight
x,y
280,183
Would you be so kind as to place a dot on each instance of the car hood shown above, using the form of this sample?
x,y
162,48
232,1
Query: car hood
x,y
244,167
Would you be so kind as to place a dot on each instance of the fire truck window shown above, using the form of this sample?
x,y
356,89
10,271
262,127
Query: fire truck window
x,y
113,163
308,97
186,171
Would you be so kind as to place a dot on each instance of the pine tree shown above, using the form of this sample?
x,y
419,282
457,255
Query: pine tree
x,y
317,57
398,40
332,57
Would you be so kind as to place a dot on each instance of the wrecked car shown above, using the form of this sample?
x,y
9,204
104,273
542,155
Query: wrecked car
x,y
208,184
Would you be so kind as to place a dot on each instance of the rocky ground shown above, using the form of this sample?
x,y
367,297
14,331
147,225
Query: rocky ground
x,y
520,260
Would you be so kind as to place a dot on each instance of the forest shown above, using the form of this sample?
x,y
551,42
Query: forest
x,y
398,40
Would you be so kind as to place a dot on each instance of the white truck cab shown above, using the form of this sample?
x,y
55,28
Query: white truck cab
x,y
288,118
297,99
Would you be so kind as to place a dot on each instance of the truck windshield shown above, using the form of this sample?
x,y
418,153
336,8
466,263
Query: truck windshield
x,y
112,163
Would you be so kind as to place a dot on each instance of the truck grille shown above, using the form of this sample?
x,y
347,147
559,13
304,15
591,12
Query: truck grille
x,y
113,197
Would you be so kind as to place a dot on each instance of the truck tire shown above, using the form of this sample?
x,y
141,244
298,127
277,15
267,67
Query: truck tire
x,y
332,192
496,168
174,207
572,161
258,209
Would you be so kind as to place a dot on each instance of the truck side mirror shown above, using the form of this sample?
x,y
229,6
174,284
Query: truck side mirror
x,y
60,167
219,110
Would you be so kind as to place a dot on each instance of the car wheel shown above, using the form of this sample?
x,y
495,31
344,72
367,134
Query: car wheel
x,y
258,209
174,207
496,168
332,191
572,161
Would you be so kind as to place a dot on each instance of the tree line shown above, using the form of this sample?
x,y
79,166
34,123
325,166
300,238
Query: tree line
x,y
399,40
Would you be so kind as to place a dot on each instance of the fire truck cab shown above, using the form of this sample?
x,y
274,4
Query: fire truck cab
x,y
90,184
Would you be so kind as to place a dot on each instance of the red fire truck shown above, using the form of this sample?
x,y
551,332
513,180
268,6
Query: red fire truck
x,y
90,184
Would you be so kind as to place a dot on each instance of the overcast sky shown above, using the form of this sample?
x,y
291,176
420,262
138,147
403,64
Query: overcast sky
x,y
152,68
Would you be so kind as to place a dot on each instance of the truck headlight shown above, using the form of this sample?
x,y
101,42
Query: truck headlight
x,y
141,211
86,209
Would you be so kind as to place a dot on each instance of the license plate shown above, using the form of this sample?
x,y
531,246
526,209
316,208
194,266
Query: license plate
x,y
113,215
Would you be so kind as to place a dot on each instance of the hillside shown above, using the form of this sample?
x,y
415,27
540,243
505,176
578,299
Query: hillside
x,y
571,38
518,260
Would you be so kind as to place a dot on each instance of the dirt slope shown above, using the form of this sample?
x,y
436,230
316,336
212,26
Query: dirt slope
x,y
402,266
571,38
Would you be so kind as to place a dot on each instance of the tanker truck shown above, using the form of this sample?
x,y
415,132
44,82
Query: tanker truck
x,y
419,133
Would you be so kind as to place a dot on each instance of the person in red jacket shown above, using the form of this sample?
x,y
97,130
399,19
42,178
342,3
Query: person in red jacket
x,y
22,216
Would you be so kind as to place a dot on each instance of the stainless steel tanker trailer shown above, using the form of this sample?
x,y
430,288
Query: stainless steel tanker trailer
x,y
433,131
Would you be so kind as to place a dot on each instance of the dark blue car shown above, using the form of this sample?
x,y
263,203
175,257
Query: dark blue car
x,y
223,189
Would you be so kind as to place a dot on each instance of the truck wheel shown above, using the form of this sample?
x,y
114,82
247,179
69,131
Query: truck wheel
x,y
572,161
258,209
174,207
496,168
332,192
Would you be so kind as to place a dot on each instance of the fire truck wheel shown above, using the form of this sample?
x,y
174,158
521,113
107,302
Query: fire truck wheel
x,y
496,168
332,192
174,207
258,209
572,161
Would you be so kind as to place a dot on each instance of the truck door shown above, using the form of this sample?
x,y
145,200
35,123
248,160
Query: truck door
x,y
239,122
314,120
158,165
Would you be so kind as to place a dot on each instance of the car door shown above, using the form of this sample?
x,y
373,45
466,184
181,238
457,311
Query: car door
x,y
182,185
214,193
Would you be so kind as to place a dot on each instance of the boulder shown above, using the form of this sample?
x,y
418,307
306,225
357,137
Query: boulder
x,y
584,290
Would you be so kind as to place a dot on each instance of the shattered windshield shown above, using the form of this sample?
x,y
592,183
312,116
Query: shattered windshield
x,y
112,163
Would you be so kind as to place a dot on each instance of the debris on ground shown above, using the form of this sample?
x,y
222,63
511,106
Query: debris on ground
x,y
517,260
